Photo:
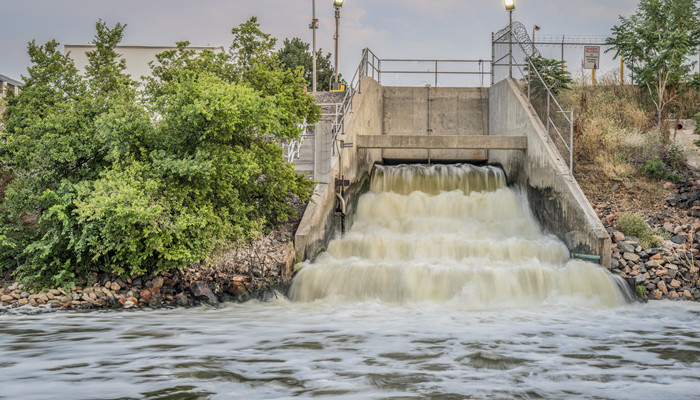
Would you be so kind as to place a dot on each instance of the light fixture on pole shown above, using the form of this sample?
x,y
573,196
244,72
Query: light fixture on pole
x,y
313,26
337,4
534,29
510,6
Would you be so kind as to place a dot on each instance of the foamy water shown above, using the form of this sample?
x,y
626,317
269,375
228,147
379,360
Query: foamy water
x,y
451,234
462,297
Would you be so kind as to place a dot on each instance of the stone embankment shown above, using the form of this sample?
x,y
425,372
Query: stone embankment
x,y
244,272
672,270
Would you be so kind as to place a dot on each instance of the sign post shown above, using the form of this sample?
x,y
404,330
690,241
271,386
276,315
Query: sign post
x,y
591,59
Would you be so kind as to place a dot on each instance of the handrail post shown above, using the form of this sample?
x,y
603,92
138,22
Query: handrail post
x,y
436,73
571,144
548,119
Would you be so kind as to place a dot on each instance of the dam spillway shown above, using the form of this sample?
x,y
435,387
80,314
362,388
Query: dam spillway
x,y
453,234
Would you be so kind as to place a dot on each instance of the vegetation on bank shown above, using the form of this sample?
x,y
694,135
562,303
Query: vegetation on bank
x,y
107,176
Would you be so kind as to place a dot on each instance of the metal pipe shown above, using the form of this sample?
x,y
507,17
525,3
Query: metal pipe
x,y
429,126
562,53
493,57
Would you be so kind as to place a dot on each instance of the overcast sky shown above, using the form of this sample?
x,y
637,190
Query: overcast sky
x,y
446,29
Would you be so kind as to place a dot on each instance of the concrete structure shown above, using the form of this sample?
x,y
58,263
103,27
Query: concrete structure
x,y
495,125
554,195
430,111
137,57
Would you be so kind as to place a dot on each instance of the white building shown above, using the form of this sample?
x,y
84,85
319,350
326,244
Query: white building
x,y
137,57
7,85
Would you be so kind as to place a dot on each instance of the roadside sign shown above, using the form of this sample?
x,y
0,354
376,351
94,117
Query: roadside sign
x,y
591,57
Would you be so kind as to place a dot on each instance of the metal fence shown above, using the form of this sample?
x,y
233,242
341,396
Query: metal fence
x,y
513,54
422,72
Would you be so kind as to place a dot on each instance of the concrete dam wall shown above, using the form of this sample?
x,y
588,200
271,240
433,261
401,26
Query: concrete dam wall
x,y
493,125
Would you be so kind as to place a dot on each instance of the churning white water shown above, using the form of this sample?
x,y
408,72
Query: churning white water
x,y
452,294
453,234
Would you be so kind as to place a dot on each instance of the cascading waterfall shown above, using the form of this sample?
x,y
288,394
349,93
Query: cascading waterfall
x,y
452,234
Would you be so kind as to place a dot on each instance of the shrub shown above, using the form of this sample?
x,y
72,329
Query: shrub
x,y
139,183
634,225
654,168
641,291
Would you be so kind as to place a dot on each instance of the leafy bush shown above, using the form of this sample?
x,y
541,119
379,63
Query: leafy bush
x,y
138,183
696,118
655,168
641,291
634,225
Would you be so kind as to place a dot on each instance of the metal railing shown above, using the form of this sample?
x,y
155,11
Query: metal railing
x,y
513,51
411,72
422,72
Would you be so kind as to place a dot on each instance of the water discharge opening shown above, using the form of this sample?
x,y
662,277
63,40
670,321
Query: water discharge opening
x,y
456,235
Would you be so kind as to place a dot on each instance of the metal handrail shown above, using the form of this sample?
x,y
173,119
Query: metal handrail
x,y
547,120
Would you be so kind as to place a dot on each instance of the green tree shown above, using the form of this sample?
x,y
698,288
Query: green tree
x,y
295,53
547,72
655,43
136,183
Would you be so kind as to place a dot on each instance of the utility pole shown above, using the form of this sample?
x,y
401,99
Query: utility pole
x,y
314,26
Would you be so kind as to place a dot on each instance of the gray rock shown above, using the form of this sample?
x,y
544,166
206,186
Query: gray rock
x,y
630,257
614,263
626,246
638,279
633,240
654,251
672,273
678,239
201,291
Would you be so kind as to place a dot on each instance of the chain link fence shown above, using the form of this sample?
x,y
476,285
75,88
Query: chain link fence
x,y
513,53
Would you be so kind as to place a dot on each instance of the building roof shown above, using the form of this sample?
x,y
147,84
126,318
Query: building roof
x,y
11,81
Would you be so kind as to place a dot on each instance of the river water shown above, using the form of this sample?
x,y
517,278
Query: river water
x,y
449,319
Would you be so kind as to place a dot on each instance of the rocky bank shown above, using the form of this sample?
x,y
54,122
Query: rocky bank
x,y
670,271
240,273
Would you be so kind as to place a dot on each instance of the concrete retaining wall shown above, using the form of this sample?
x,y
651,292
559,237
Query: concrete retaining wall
x,y
319,223
425,111
554,195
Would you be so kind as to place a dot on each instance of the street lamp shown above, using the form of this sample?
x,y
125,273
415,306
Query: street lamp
x,y
314,26
337,4
510,6
534,29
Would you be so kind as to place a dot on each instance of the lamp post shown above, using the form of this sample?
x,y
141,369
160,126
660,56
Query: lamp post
x,y
534,29
313,26
337,4
510,6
